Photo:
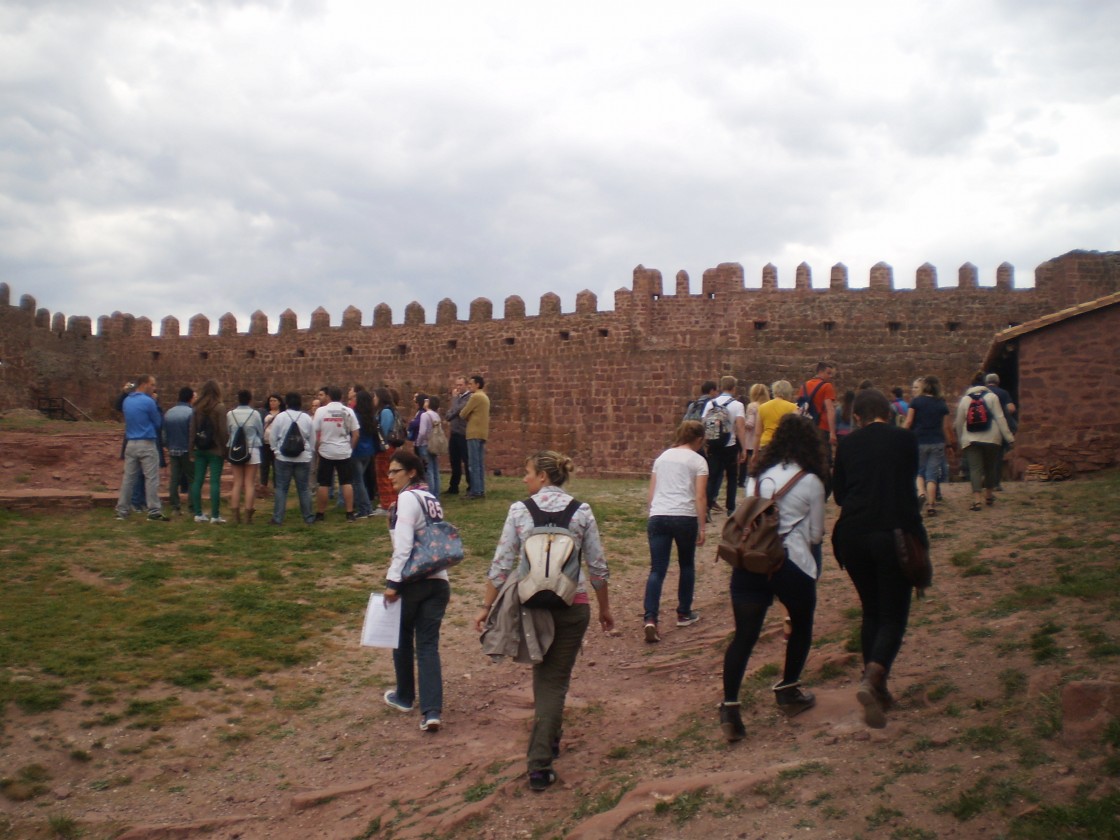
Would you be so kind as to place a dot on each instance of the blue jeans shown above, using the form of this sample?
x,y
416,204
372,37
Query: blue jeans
x,y
432,472
476,465
285,471
423,604
663,531
358,466
931,461
141,459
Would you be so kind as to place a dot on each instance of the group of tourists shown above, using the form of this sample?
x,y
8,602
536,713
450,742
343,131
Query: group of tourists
x,y
880,458
334,449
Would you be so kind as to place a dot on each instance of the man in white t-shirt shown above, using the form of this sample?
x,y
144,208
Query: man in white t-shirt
x,y
724,457
336,434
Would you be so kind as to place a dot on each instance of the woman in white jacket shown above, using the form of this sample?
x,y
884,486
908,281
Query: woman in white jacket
x,y
423,602
792,459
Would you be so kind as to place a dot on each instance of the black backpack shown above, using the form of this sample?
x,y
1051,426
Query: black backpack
x,y
239,452
204,433
292,445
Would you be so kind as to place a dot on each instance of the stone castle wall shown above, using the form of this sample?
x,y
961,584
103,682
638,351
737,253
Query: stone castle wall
x,y
607,387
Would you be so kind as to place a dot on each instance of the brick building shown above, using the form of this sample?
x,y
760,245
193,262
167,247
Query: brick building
x,y
1065,369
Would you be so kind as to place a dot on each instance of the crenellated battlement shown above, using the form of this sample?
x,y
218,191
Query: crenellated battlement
x,y
724,279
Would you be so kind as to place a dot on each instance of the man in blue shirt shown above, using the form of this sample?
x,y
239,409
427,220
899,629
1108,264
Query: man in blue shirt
x,y
142,423
177,439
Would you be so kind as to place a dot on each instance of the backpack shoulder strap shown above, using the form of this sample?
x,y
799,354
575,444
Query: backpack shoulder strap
x,y
789,485
560,518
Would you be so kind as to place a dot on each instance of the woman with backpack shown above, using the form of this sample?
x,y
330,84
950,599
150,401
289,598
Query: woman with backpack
x,y
982,430
423,602
678,509
429,422
246,434
208,440
545,475
790,467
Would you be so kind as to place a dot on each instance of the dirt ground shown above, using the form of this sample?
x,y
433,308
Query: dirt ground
x,y
642,752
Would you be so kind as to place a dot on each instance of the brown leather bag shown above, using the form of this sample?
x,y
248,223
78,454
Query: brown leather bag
x,y
913,557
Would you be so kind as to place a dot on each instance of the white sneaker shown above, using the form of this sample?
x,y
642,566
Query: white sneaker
x,y
217,520
431,724
202,517
380,512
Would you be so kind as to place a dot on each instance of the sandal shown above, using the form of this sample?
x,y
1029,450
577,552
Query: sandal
x,y
991,500
931,511
974,506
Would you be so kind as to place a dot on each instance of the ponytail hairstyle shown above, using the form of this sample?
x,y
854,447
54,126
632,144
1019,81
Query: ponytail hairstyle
x,y
556,466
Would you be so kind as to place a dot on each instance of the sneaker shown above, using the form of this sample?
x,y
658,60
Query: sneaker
x,y
202,517
651,632
121,516
792,700
542,779
351,517
157,516
217,520
380,512
731,722
391,700
274,521
431,724
319,517
686,620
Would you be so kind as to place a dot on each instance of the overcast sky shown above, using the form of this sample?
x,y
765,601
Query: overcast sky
x,y
172,158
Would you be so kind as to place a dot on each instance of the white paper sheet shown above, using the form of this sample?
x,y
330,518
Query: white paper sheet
x,y
382,627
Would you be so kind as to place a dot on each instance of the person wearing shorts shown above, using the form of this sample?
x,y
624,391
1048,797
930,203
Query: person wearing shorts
x,y
335,429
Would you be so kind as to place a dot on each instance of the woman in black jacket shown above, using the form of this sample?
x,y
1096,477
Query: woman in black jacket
x,y
874,485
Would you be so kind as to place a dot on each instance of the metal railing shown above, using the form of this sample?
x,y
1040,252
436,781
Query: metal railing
x,y
60,408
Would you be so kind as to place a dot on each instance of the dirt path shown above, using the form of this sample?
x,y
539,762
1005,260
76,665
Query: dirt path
x,y
642,753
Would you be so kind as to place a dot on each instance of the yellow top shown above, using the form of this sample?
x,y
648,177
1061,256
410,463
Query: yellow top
x,y
770,414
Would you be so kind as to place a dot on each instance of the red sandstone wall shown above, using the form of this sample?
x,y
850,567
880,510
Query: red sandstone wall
x,y
1069,393
608,387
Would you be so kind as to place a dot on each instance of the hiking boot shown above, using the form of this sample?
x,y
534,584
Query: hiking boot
x,y
237,517
541,779
792,700
731,722
873,695
685,620
651,632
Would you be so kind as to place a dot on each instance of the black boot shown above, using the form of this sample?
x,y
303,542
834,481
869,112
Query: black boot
x,y
792,700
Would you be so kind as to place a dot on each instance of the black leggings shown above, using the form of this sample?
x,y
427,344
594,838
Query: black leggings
x,y
871,560
751,597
